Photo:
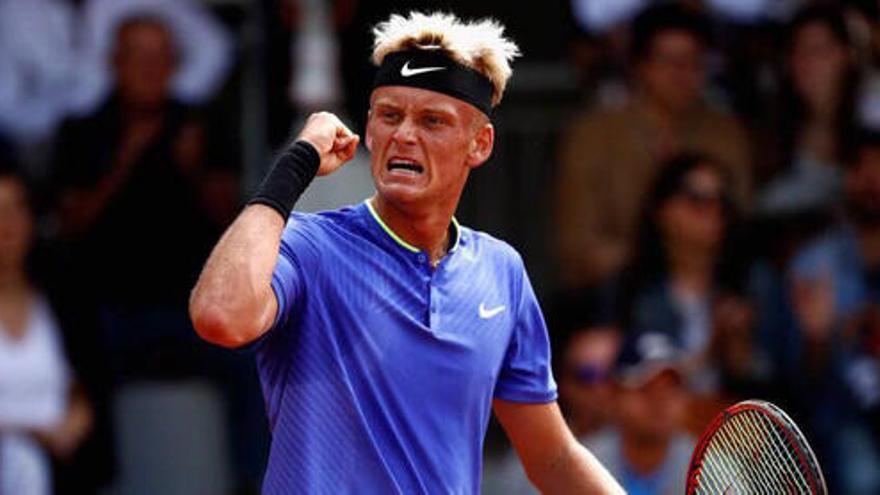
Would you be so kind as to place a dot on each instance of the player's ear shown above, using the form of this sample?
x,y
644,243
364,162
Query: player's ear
x,y
368,135
481,145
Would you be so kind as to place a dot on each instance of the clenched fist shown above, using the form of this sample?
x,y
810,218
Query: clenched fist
x,y
331,138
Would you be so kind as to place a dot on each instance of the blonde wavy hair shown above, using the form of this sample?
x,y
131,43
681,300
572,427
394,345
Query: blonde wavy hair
x,y
479,45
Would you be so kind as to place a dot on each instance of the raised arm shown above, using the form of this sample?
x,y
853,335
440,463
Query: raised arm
x,y
553,459
233,303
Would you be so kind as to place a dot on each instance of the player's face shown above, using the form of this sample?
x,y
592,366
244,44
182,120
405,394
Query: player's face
x,y
424,144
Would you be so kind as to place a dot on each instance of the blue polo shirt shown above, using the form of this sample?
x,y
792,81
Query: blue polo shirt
x,y
379,372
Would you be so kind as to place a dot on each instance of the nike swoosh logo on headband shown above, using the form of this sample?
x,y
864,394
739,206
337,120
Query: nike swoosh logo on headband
x,y
405,71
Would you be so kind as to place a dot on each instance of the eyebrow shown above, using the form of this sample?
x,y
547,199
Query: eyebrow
x,y
438,108
387,102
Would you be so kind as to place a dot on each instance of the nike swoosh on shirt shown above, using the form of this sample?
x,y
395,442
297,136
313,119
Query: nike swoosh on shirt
x,y
489,313
405,71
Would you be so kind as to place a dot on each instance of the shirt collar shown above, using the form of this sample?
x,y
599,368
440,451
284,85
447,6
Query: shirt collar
x,y
454,228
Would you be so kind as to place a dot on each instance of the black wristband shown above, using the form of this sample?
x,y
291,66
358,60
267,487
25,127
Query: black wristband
x,y
292,172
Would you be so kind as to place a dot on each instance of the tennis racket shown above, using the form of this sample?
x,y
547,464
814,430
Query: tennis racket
x,y
754,447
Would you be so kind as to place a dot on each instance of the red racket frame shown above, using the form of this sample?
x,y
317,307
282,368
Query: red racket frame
x,y
805,456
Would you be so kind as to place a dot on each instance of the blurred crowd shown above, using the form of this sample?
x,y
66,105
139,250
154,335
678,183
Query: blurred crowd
x,y
718,220
713,217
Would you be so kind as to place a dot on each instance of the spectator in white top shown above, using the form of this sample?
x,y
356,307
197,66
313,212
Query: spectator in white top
x,y
44,414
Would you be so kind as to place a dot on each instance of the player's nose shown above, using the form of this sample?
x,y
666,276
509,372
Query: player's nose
x,y
405,133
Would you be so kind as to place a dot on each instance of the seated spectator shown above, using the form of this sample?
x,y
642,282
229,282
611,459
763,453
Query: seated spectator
x,y
586,361
647,447
610,155
143,171
835,293
817,116
44,413
687,278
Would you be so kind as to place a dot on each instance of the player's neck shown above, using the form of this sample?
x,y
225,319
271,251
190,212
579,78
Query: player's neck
x,y
427,230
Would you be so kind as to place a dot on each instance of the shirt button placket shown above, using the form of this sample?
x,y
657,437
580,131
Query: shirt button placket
x,y
422,259
433,305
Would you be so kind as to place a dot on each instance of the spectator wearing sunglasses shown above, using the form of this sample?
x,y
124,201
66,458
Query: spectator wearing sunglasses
x,y
686,281
584,376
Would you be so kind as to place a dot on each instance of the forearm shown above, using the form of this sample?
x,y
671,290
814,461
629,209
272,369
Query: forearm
x,y
575,470
551,456
233,303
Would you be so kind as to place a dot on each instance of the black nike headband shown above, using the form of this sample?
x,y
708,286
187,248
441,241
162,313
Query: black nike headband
x,y
434,70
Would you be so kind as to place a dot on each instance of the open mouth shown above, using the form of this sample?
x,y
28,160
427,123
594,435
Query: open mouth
x,y
405,166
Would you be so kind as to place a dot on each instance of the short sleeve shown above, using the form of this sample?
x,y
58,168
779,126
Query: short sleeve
x,y
296,256
526,374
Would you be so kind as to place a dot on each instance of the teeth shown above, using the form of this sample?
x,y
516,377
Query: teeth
x,y
412,167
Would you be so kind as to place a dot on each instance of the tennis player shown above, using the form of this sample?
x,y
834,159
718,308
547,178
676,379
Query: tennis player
x,y
386,333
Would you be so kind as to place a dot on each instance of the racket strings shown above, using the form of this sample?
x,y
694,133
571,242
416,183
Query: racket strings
x,y
773,442
750,454
743,430
777,475
730,477
762,480
781,444
741,467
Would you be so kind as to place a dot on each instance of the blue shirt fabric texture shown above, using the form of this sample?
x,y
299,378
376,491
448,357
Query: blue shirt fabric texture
x,y
380,370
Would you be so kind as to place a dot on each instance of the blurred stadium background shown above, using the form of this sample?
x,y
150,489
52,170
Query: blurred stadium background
x,y
699,178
